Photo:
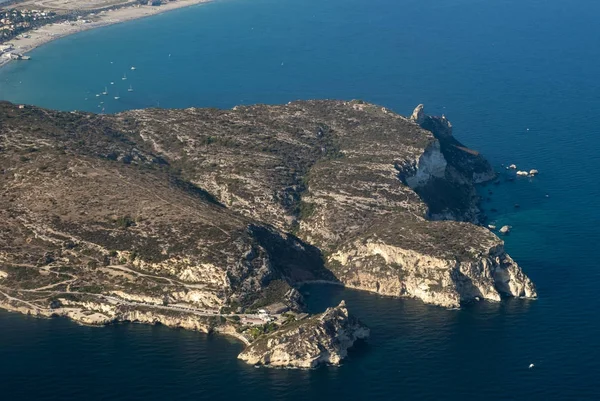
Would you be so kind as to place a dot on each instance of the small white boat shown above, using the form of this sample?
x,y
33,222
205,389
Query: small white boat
x,y
130,89
105,91
112,83
531,365
124,77
97,95
132,68
117,97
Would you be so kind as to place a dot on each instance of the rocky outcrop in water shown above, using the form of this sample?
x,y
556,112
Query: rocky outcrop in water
x,y
320,339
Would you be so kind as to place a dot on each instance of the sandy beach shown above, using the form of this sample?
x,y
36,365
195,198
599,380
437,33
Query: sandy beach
x,y
50,32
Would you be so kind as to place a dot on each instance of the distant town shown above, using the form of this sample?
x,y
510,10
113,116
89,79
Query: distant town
x,y
15,22
18,20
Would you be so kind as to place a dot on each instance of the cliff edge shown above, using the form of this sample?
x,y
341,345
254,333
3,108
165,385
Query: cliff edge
x,y
201,218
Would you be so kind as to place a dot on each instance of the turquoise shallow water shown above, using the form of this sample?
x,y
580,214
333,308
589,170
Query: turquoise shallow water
x,y
519,81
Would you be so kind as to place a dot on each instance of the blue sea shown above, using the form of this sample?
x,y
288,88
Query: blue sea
x,y
520,81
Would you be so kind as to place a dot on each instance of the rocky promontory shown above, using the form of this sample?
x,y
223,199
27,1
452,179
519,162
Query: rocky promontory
x,y
201,218
323,338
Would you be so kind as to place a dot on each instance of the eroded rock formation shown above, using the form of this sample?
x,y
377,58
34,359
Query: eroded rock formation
x,y
199,217
323,338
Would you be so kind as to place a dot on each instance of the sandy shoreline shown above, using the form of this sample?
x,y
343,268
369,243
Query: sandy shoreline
x,y
50,32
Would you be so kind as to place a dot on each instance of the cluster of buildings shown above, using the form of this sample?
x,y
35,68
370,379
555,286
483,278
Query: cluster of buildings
x,y
269,314
14,22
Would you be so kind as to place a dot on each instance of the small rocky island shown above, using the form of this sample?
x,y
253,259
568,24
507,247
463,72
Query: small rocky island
x,y
210,219
323,338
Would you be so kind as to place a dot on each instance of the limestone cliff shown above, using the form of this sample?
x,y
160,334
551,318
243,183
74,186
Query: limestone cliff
x,y
320,339
443,280
99,312
445,174
222,212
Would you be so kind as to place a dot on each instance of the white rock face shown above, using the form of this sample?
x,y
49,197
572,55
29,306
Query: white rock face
x,y
435,280
533,172
144,299
184,321
430,164
511,280
505,230
418,114
187,270
186,298
3,274
99,313
323,338
196,298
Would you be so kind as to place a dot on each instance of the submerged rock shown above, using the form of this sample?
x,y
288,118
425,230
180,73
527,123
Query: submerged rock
x,y
320,339
505,230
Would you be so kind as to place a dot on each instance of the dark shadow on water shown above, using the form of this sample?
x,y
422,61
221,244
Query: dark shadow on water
x,y
359,351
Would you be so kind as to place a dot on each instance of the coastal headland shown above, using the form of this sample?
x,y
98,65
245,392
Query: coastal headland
x,y
84,16
210,219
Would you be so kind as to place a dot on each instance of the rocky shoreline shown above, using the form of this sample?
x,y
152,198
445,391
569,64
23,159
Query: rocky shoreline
x,y
321,339
80,313
210,219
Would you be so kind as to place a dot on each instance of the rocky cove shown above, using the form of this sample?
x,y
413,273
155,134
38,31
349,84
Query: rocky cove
x,y
199,218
